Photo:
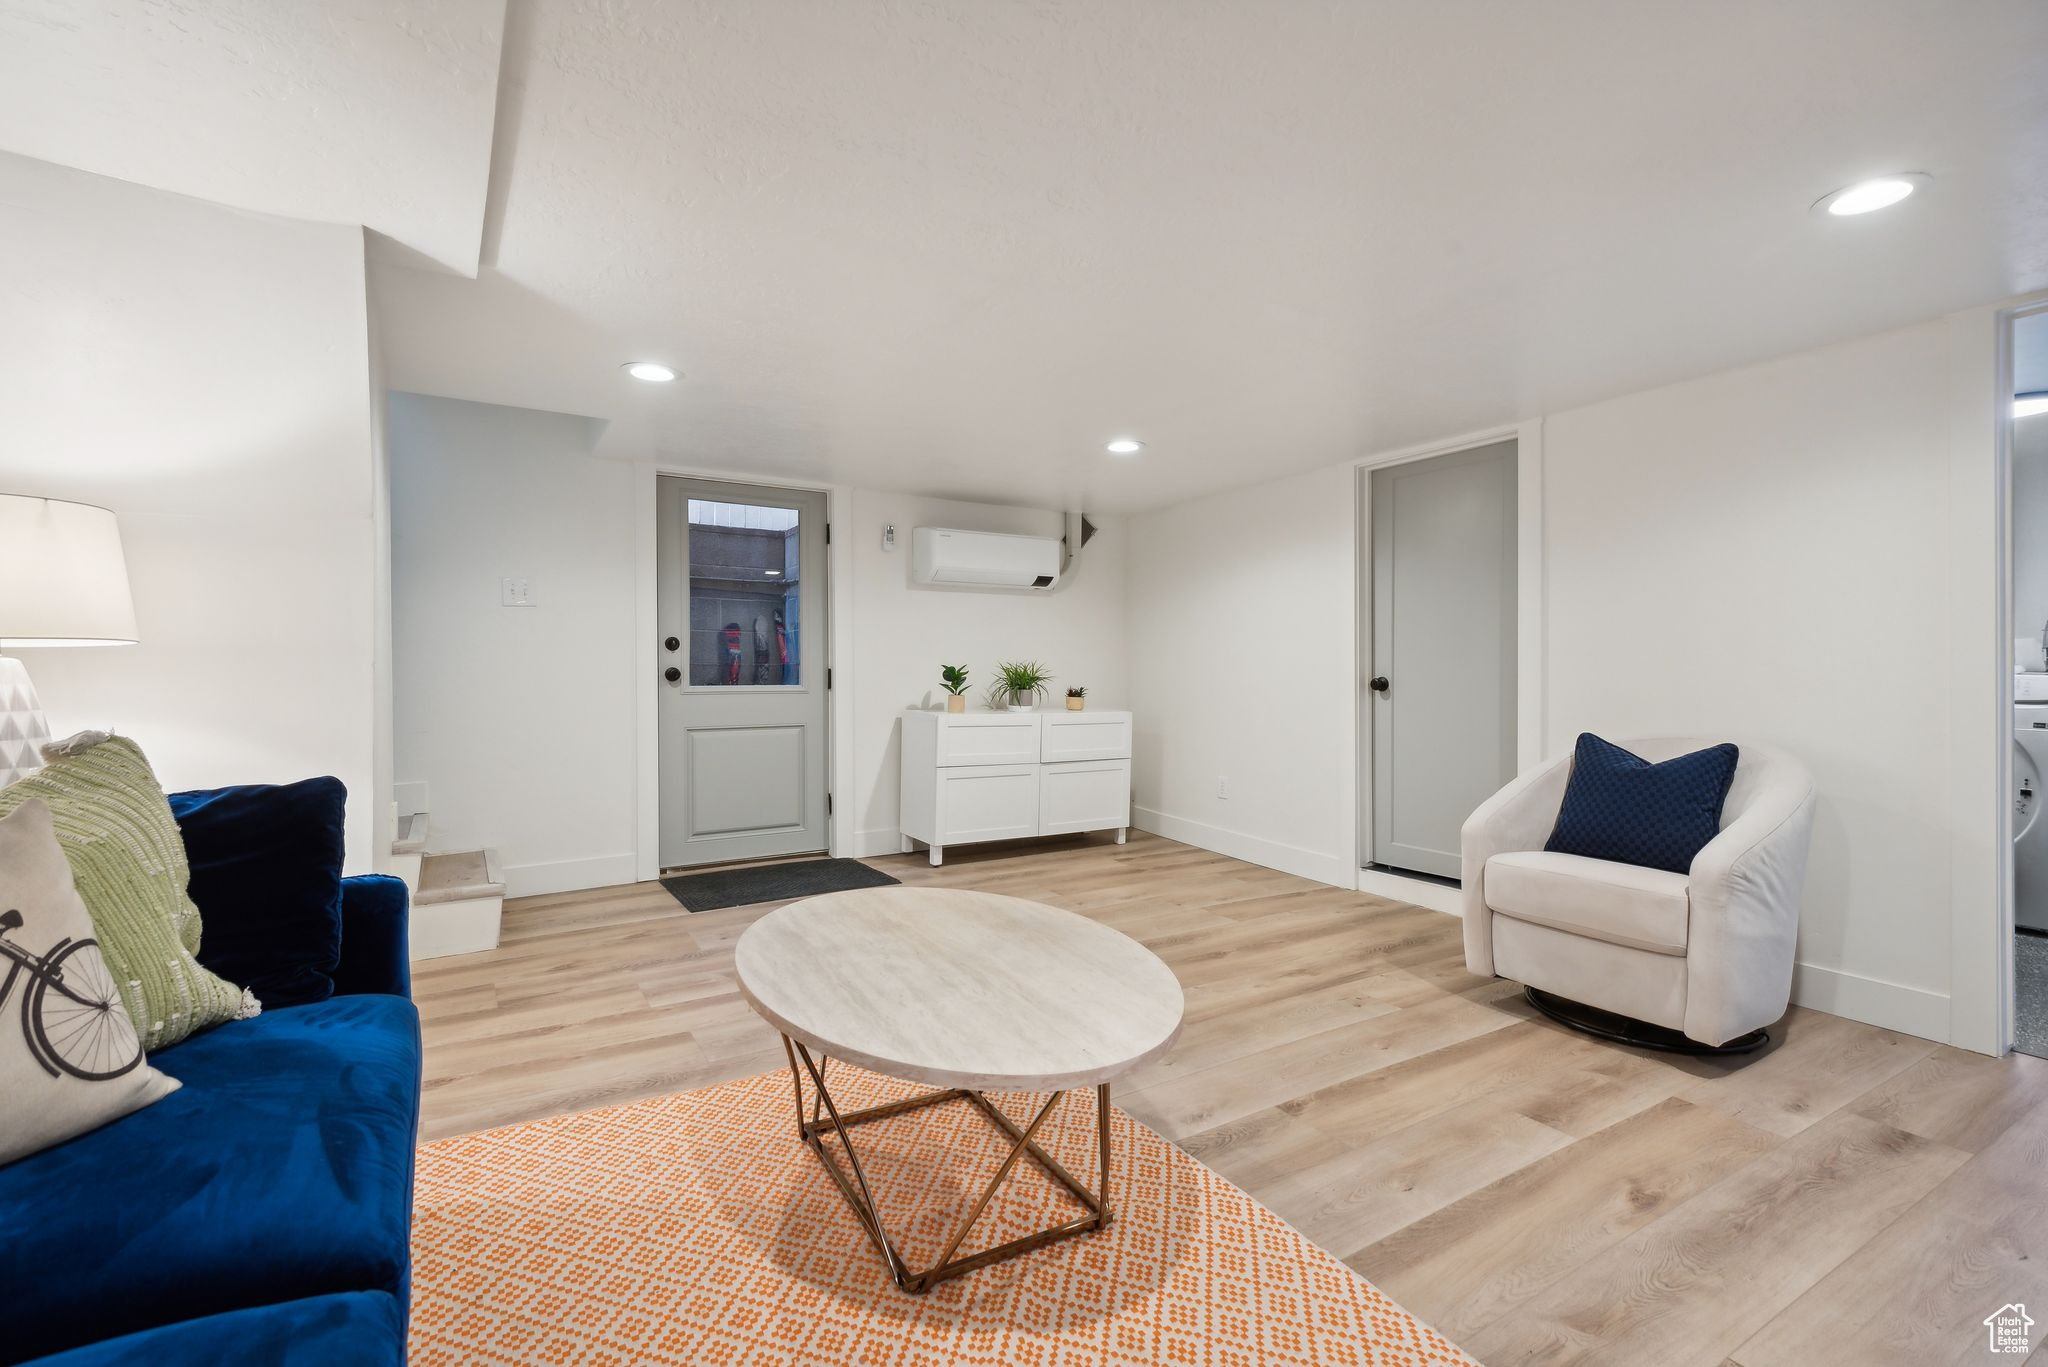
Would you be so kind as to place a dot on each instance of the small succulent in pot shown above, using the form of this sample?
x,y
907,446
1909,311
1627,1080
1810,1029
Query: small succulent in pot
x,y
1077,698
1020,684
954,679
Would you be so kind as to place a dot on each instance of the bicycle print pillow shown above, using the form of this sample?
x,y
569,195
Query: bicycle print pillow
x,y
70,1060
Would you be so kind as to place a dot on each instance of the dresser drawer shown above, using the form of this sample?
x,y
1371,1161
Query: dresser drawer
x,y
987,802
988,738
1084,795
1082,735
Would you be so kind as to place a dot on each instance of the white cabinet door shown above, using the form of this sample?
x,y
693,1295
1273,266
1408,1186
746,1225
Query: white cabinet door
x,y
988,738
1091,795
987,802
1083,735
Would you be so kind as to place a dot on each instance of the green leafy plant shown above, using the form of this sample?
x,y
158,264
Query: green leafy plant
x,y
1022,679
955,678
1077,692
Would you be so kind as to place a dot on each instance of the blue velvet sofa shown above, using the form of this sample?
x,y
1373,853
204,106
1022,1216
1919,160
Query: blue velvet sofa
x,y
259,1214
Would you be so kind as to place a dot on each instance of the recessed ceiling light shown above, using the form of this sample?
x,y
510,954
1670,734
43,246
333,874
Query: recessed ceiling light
x,y
1125,446
653,371
2028,405
775,572
1867,195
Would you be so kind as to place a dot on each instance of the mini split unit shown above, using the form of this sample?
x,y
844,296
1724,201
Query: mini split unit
x,y
984,560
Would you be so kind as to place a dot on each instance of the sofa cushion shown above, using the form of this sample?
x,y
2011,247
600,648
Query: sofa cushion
x,y
1623,904
1619,806
356,1329
281,1169
266,875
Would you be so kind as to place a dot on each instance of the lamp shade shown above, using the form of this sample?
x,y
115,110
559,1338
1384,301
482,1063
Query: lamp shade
x,y
63,578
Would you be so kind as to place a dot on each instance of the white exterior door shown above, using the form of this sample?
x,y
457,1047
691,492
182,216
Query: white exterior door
x,y
740,612
1441,686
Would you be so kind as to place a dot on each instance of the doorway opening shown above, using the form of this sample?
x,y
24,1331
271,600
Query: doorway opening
x,y
1440,703
2027,590
744,673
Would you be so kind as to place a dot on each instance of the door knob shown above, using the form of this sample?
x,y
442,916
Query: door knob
x,y
1379,684
671,673
671,643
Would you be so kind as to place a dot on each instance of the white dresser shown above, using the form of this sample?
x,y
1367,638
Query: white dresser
x,y
972,776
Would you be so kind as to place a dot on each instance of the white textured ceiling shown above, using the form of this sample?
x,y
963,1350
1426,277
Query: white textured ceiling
x,y
376,112
951,248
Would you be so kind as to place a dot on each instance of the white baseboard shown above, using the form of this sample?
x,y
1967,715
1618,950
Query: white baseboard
x,y
1323,868
1418,892
569,875
1892,1006
870,844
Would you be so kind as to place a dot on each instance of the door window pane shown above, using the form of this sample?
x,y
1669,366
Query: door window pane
x,y
744,572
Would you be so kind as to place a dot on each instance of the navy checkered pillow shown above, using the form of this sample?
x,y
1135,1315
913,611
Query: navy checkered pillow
x,y
1621,807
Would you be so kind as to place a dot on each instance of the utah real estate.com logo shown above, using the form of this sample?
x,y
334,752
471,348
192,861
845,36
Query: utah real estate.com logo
x,y
2009,1327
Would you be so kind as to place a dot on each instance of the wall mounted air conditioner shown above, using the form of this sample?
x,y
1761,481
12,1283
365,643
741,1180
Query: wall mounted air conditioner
x,y
985,560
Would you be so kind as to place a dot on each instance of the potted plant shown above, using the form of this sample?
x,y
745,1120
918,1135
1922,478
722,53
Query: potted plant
x,y
1077,698
1019,685
955,679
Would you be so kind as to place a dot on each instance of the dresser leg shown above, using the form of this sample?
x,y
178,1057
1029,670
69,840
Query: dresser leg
x,y
906,843
1121,833
938,855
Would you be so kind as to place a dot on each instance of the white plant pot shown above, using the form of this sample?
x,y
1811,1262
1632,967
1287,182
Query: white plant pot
x,y
1029,703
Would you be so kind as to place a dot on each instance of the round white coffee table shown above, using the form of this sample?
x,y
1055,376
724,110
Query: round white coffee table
x,y
967,992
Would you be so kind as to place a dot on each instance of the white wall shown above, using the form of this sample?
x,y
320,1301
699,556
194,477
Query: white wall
x,y
524,723
2030,529
383,750
519,720
903,632
1770,553
1765,554
204,373
1243,624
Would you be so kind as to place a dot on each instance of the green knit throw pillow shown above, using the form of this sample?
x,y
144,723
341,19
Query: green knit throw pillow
x,y
128,861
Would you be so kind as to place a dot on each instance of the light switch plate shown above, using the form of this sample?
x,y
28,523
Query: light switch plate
x,y
516,592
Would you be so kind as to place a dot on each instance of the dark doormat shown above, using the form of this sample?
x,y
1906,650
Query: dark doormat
x,y
772,883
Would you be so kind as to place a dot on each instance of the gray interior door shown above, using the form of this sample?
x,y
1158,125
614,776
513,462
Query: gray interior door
x,y
1441,687
740,612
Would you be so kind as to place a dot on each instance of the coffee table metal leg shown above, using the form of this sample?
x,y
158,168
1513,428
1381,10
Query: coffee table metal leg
x,y
1052,1166
864,1207
988,1192
813,1129
1102,1209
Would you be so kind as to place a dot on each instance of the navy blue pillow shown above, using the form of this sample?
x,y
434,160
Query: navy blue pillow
x,y
266,877
1621,807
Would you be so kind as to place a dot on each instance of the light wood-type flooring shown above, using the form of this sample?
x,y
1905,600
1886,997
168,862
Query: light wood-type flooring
x,y
1849,1198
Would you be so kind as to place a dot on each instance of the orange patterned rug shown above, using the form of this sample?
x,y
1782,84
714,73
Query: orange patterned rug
x,y
697,1231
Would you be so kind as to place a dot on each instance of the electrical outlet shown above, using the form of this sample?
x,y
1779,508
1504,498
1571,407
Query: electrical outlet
x,y
1223,788
516,592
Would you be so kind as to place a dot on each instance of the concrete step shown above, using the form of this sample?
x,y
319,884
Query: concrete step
x,y
408,850
459,877
459,906
412,834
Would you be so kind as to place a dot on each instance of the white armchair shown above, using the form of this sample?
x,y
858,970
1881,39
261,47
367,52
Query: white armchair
x,y
1706,953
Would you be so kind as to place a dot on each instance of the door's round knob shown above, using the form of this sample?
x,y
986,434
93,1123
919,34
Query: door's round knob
x,y
1379,684
672,643
671,673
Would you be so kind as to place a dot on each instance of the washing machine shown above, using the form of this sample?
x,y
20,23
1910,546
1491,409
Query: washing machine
x,y
2029,829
